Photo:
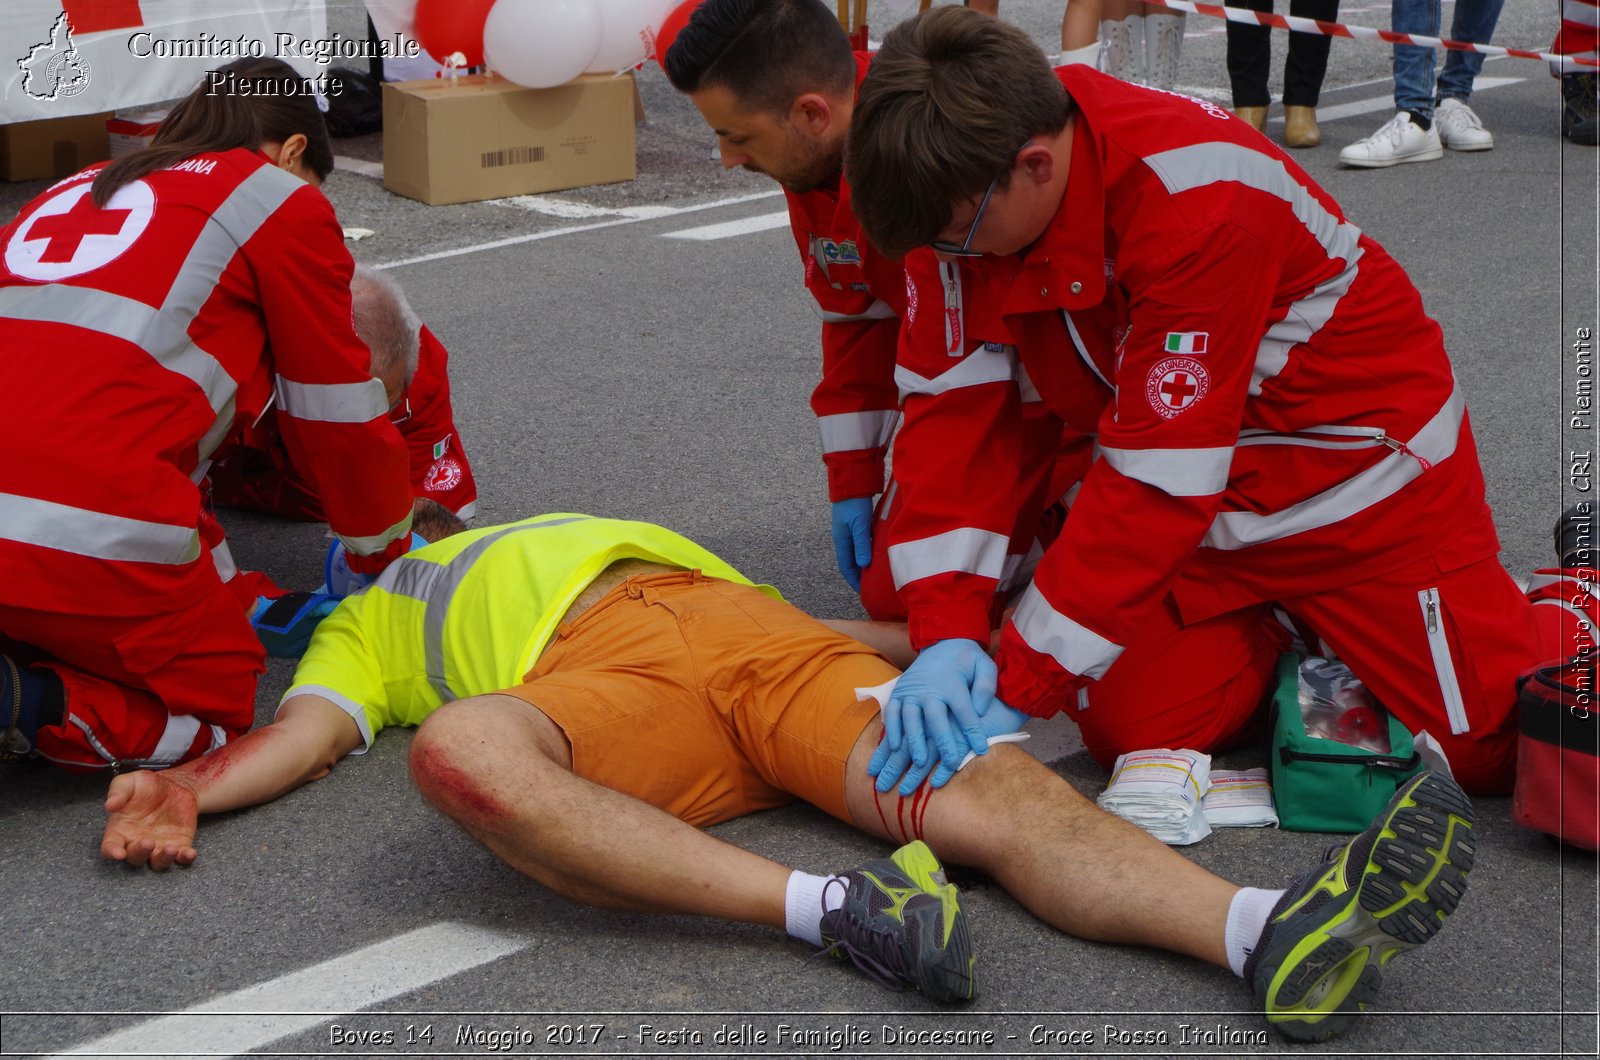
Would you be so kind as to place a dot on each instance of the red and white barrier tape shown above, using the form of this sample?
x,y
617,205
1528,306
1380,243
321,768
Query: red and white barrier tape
x,y
1339,29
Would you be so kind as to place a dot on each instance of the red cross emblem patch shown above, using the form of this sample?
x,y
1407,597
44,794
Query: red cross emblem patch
x,y
1175,384
443,476
69,235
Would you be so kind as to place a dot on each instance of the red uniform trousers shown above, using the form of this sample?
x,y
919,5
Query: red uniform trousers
x,y
1202,685
144,690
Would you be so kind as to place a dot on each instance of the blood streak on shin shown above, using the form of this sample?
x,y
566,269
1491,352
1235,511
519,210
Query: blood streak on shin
x,y
452,789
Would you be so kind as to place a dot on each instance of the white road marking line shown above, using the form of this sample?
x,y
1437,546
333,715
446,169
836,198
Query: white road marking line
x,y
1381,103
355,981
360,168
553,207
534,237
728,229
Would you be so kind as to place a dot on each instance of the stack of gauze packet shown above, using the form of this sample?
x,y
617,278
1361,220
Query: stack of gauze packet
x,y
1240,798
1160,791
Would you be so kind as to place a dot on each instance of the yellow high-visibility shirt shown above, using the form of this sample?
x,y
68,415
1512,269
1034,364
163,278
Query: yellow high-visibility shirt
x,y
470,614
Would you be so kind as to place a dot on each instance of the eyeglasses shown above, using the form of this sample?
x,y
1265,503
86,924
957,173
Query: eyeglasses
x,y
964,248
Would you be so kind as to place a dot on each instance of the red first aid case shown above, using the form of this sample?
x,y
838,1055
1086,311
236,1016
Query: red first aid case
x,y
1558,753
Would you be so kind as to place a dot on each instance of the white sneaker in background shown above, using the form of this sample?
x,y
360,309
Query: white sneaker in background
x,y
1459,128
1399,140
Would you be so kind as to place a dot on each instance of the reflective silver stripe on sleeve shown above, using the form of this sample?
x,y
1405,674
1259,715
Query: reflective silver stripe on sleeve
x,y
848,431
1186,168
435,585
1075,648
222,559
176,738
1175,472
95,534
878,310
1435,443
332,402
964,551
992,363
371,546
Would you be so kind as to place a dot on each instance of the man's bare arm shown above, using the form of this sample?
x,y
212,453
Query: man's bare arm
x,y
152,815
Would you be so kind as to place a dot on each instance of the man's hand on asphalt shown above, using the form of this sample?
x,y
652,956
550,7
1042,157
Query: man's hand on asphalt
x,y
151,820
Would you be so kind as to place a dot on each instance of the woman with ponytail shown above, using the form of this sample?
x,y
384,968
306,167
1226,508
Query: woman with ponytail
x,y
146,307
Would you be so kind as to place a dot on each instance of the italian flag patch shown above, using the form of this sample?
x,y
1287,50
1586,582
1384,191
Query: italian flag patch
x,y
1192,343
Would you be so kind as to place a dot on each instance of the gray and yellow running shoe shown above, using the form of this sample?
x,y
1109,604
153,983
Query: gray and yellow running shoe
x,y
903,925
1321,957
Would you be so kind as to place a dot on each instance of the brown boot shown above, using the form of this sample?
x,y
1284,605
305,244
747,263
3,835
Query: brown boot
x,y
1300,127
1256,116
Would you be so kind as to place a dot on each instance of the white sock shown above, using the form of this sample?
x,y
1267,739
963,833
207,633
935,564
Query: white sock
x,y
1087,55
1247,919
805,899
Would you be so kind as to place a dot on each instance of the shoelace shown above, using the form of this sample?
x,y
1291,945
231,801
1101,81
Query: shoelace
x,y
873,950
1395,131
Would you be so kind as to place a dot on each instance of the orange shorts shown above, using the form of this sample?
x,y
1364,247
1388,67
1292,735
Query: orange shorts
x,y
706,698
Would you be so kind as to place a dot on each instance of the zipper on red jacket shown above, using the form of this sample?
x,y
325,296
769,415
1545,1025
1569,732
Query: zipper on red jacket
x,y
1401,447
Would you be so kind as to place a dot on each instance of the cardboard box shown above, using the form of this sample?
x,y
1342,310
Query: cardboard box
x,y
133,132
483,137
52,148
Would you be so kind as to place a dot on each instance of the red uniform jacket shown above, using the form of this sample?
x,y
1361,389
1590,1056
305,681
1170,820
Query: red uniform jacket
x,y
253,471
136,336
1273,412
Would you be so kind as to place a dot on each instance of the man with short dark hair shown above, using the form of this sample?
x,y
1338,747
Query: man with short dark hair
x,y
591,693
1275,415
776,81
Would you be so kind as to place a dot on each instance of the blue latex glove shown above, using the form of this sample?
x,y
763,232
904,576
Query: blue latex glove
x,y
852,537
339,580
285,624
943,698
999,721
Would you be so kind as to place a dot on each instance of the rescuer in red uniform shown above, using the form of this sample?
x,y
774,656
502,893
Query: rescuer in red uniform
x,y
1274,414
146,307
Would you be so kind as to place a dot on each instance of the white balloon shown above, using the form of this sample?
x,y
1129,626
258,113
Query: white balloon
x,y
628,28
541,43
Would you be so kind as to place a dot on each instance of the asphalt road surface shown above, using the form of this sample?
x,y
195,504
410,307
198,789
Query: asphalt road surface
x,y
645,350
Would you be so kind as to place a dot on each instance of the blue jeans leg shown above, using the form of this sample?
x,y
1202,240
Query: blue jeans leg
x,y
1474,22
1413,66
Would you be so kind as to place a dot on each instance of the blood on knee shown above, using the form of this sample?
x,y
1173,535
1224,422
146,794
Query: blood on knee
x,y
443,781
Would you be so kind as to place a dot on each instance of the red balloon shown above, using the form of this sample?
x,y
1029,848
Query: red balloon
x,y
673,26
444,27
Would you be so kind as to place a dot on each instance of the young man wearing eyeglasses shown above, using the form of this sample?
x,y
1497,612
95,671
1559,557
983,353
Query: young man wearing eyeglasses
x,y
1275,414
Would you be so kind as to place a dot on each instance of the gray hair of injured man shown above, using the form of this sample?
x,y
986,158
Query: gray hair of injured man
x,y
386,323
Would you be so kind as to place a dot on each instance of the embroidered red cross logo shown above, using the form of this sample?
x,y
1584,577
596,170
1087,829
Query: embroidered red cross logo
x,y
67,231
1178,389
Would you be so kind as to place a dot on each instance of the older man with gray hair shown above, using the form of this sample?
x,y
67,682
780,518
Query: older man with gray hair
x,y
253,471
